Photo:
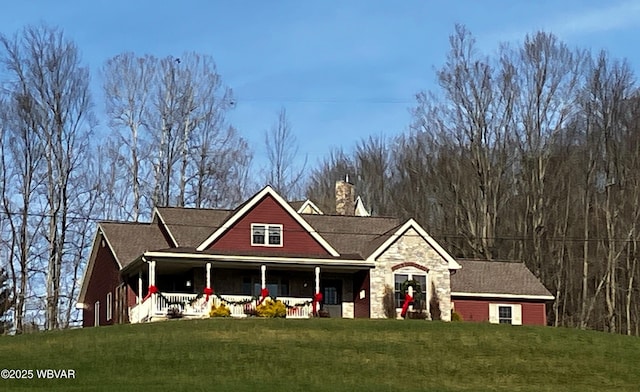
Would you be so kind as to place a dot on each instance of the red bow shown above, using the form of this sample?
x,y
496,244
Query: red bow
x,y
316,298
264,293
152,290
407,300
207,292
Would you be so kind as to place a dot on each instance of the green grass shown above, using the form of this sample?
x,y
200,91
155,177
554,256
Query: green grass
x,y
325,355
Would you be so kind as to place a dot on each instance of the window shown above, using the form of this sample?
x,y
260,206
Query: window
x,y
330,296
505,314
258,234
275,234
108,310
399,294
96,314
276,287
399,279
266,235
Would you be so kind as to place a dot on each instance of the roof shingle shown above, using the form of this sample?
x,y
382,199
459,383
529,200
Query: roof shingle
x,y
496,277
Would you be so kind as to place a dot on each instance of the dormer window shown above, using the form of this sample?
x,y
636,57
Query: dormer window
x,y
266,234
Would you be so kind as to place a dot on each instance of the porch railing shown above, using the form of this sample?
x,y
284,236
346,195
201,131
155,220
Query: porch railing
x,y
189,305
244,305
140,313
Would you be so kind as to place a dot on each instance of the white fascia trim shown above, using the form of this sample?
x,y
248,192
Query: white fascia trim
x,y
453,264
509,296
89,268
261,259
92,260
360,209
115,256
267,191
310,204
164,224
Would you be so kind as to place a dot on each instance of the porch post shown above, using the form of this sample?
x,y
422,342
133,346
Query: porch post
x,y
208,275
317,281
263,277
139,288
152,282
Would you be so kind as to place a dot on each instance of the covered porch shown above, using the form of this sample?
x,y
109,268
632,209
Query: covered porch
x,y
186,288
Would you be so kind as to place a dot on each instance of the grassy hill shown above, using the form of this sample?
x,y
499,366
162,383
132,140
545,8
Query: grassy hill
x,y
324,355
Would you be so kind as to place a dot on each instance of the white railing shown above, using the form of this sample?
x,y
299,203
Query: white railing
x,y
140,312
189,306
304,311
186,303
244,308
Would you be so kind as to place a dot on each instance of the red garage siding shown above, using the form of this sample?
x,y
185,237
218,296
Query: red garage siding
x,y
533,313
295,238
361,306
104,278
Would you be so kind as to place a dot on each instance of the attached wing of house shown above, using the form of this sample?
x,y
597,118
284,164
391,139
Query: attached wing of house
x,y
186,260
499,292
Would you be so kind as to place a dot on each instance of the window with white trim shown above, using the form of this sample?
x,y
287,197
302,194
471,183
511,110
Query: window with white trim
x,y
505,314
263,234
96,314
109,306
399,294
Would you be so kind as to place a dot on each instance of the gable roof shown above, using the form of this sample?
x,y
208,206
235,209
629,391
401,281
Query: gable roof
x,y
389,238
499,279
191,226
351,234
301,206
127,241
252,202
192,230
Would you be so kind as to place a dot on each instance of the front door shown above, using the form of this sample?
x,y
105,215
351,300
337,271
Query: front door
x,y
332,297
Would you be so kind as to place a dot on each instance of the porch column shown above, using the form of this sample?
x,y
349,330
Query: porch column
x,y
263,276
152,282
208,275
317,280
139,288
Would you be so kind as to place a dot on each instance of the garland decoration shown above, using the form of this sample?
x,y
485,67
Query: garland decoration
x,y
230,302
408,299
208,292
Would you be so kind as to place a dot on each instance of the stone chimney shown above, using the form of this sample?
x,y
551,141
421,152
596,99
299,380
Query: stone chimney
x,y
345,197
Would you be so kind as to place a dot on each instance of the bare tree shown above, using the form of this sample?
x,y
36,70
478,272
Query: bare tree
x,y
45,71
175,110
128,80
282,151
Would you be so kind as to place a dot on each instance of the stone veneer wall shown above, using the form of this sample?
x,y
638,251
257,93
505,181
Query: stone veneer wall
x,y
411,247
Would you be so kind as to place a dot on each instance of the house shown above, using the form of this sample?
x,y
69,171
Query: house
x,y
499,292
185,260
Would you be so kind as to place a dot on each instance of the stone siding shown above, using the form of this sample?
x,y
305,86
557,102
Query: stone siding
x,y
411,247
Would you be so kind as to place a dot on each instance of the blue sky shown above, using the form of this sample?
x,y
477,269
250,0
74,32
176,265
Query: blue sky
x,y
342,69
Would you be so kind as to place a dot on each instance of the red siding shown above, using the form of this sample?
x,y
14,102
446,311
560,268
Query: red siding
x,y
104,278
533,313
295,239
361,307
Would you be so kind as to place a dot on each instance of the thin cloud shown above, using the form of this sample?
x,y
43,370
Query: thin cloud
x,y
583,22
613,17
